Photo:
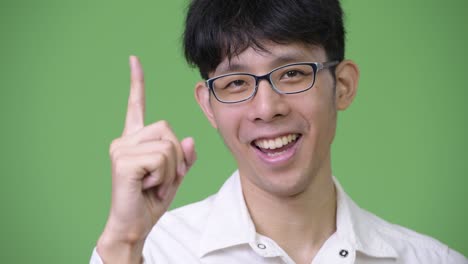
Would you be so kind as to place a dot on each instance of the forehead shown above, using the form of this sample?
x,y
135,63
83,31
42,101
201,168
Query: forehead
x,y
271,56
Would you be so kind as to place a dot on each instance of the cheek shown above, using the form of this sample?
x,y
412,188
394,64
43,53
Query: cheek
x,y
326,120
228,120
320,113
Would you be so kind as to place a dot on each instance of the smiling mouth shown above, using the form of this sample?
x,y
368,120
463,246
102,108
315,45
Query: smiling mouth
x,y
276,146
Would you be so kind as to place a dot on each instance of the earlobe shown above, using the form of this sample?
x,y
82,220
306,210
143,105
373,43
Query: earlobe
x,y
347,79
202,95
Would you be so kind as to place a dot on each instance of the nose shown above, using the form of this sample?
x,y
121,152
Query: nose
x,y
268,105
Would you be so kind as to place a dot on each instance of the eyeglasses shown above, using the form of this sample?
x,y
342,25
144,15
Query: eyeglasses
x,y
287,79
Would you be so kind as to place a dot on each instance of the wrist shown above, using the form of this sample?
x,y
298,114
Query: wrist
x,y
114,249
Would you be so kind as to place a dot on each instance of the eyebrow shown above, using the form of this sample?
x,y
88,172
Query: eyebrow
x,y
284,58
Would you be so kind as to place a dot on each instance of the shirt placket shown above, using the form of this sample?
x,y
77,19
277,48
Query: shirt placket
x,y
268,249
335,251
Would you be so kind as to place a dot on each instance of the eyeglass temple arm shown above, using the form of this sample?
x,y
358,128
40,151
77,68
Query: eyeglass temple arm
x,y
327,64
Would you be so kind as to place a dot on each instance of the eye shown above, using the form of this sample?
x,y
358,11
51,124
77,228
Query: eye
x,y
291,74
235,84
238,82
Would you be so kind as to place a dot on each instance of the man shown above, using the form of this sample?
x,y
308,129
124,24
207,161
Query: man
x,y
275,78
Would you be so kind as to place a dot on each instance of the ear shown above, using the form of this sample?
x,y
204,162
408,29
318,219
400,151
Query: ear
x,y
347,78
202,95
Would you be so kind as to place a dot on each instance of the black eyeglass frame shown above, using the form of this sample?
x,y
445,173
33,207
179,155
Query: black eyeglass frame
x,y
316,67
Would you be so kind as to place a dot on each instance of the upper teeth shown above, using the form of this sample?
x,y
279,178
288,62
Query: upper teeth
x,y
275,142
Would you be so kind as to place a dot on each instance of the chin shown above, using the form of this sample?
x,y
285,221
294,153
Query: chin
x,y
287,184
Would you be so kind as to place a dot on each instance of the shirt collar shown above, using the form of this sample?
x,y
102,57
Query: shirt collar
x,y
229,223
360,228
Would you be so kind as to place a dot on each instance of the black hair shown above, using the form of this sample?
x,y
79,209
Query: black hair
x,y
216,29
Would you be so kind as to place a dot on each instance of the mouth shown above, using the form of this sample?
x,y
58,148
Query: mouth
x,y
274,148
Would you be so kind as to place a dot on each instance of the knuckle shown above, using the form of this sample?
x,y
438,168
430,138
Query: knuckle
x,y
167,146
116,154
114,146
137,79
164,124
162,158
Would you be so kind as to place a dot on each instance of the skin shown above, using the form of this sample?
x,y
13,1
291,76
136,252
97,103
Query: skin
x,y
293,201
148,165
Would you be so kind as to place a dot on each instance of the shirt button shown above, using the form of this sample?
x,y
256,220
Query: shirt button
x,y
261,246
344,253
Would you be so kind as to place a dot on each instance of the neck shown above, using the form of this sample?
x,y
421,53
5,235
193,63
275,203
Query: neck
x,y
300,223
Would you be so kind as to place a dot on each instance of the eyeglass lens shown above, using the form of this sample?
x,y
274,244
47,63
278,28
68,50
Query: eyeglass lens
x,y
289,79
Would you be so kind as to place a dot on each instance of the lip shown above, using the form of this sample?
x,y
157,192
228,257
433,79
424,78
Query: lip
x,y
281,159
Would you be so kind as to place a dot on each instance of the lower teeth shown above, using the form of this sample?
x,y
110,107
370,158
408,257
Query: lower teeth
x,y
274,154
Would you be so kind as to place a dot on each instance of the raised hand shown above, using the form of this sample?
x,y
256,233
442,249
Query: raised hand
x,y
148,165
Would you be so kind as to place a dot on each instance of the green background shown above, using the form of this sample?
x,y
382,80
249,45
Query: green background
x,y
400,152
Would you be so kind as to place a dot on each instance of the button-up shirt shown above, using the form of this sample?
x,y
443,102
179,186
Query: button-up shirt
x,y
219,229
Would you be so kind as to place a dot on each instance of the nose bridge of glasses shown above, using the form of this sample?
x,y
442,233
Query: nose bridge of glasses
x,y
266,77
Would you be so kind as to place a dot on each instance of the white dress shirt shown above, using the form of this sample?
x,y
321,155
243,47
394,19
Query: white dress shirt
x,y
220,230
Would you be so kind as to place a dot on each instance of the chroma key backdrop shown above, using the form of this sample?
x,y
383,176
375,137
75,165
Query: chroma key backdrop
x,y
401,150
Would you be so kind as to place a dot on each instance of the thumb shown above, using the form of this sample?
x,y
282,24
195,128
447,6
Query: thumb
x,y
188,147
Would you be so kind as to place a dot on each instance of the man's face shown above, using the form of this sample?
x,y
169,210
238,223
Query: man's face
x,y
304,123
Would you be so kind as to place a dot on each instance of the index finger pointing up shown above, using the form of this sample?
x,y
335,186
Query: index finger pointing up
x,y
135,118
